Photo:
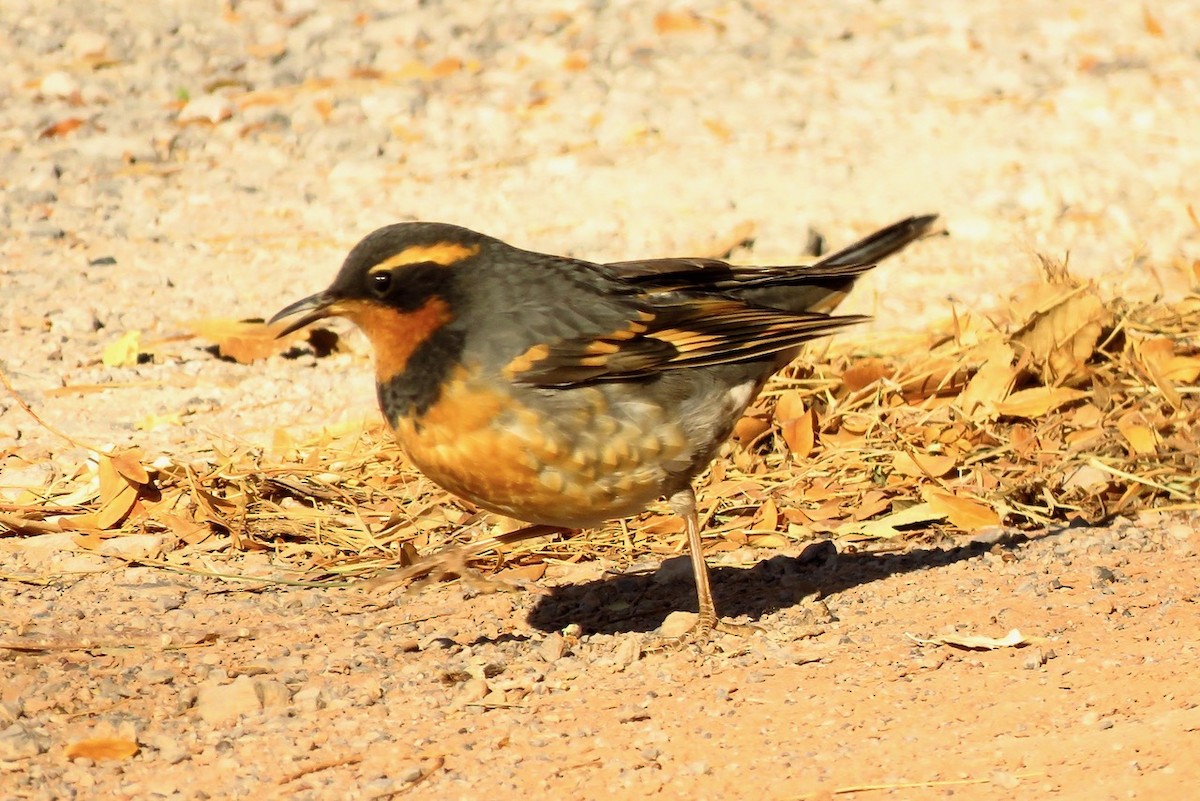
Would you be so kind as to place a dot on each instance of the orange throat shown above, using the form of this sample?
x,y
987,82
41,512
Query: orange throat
x,y
395,335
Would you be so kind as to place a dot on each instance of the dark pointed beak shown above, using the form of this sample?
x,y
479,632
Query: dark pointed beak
x,y
315,307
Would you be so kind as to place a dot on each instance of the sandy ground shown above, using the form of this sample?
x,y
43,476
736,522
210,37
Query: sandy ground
x,y
167,162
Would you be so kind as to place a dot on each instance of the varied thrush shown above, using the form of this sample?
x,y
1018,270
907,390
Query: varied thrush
x,y
564,392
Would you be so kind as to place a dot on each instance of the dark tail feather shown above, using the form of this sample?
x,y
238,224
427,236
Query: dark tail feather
x,y
821,287
881,244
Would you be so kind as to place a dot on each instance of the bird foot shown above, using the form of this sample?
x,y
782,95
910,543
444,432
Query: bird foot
x,y
454,563
444,565
676,632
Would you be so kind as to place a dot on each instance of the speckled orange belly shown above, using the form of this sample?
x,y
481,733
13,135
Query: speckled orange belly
x,y
580,462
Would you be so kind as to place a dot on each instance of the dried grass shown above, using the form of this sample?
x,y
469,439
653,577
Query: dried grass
x,y
1068,407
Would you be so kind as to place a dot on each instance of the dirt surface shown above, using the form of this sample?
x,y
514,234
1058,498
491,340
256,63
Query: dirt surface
x,y
164,163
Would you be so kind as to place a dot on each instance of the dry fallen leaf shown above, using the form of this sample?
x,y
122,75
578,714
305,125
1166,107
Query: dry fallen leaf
x,y
129,465
991,384
154,421
1151,23
1157,358
974,642
1087,478
244,341
1142,439
768,516
967,514
188,531
797,425
889,526
123,351
718,129
1060,335
102,748
60,128
751,426
932,378
865,372
117,495
532,572
1182,369
210,508
677,21
767,541
446,67
1037,401
923,465
871,504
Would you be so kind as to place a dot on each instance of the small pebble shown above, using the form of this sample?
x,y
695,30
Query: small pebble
x,y
1102,576
677,623
552,648
410,775
58,84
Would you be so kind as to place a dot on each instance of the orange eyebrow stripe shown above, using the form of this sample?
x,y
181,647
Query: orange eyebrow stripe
x,y
396,335
443,253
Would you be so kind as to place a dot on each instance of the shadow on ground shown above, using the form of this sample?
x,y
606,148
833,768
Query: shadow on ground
x,y
640,602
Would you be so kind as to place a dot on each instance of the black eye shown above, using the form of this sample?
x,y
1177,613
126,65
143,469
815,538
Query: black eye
x,y
380,283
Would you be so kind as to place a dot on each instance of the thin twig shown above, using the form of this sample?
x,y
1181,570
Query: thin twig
x,y
29,410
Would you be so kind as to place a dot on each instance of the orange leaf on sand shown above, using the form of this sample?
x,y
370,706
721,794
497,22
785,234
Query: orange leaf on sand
x,y
677,22
1151,23
871,504
60,128
244,341
975,642
102,748
718,129
446,67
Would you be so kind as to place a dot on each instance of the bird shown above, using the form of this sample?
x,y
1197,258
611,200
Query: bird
x,y
566,393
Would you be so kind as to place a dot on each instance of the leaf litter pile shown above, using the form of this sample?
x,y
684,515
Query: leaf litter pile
x,y
1065,407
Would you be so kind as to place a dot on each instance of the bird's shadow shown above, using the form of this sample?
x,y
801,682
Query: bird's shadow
x,y
625,603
